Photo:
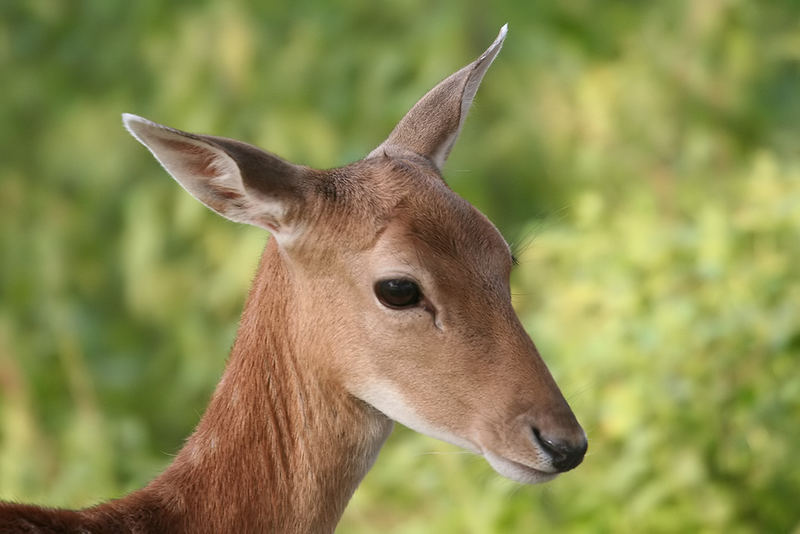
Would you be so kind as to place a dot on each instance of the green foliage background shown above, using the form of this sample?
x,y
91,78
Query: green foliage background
x,y
645,155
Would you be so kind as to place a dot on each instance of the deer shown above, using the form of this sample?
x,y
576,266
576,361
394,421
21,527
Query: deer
x,y
381,297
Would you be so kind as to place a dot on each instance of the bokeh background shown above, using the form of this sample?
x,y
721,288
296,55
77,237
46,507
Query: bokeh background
x,y
644,157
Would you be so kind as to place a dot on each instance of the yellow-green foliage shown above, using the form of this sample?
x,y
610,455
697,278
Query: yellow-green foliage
x,y
644,156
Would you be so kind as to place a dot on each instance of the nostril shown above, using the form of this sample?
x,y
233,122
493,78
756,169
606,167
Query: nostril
x,y
564,455
550,447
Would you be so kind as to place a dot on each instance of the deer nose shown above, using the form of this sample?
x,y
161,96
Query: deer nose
x,y
564,454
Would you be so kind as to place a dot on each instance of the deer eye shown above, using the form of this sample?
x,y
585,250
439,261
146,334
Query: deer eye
x,y
398,293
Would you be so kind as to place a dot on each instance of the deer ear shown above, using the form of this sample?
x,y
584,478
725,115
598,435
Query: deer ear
x,y
239,181
431,127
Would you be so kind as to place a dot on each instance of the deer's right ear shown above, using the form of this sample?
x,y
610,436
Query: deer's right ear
x,y
239,181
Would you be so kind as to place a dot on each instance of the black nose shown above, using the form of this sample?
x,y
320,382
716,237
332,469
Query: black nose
x,y
564,454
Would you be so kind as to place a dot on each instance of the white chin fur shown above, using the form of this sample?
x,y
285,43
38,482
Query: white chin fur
x,y
517,471
388,399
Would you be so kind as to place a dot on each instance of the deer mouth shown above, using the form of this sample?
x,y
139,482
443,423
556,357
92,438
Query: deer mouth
x,y
517,471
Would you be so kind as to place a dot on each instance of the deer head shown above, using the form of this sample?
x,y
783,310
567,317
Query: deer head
x,y
398,288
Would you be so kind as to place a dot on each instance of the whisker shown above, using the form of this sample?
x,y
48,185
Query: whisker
x,y
518,488
580,390
429,453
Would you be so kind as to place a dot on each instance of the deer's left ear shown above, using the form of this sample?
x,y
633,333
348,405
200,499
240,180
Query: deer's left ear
x,y
431,127
239,181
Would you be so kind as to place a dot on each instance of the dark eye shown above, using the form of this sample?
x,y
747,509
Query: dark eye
x,y
398,293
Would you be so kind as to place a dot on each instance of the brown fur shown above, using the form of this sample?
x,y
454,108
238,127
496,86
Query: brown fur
x,y
279,448
319,364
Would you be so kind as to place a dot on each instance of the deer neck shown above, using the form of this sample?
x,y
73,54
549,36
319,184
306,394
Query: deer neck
x,y
279,449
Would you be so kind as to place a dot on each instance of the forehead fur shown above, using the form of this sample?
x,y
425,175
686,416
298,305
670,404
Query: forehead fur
x,y
449,230
411,193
